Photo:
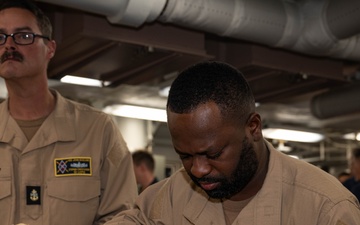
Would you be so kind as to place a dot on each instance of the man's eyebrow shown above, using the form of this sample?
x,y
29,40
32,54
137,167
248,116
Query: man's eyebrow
x,y
204,152
179,152
19,29
23,29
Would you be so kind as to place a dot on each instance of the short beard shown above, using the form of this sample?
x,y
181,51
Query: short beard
x,y
240,177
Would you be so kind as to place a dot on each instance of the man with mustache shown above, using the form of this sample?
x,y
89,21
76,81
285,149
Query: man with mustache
x,y
230,174
61,162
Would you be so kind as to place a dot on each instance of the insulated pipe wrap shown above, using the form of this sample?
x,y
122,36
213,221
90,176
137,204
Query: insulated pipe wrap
x,y
138,12
316,37
207,15
258,21
336,102
343,19
105,8
254,20
126,12
316,27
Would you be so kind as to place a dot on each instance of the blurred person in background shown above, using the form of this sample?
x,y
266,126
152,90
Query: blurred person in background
x,y
353,183
144,166
343,176
61,162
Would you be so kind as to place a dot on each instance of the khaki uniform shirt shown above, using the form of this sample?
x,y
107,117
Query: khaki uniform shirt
x,y
294,193
76,170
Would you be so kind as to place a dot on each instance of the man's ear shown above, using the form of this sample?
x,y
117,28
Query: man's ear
x,y
254,127
51,49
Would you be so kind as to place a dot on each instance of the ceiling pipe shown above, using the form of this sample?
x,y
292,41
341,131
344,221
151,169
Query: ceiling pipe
x,y
316,27
326,30
132,13
311,26
339,14
262,21
336,102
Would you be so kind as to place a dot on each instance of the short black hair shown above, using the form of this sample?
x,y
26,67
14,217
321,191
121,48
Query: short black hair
x,y
141,156
212,81
42,20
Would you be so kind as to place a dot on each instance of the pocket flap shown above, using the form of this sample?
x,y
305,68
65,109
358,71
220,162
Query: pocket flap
x,y
74,190
5,189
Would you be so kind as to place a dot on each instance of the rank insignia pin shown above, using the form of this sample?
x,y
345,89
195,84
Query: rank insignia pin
x,y
33,195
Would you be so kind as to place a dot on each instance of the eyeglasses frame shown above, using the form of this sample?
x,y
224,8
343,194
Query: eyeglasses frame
x,y
13,37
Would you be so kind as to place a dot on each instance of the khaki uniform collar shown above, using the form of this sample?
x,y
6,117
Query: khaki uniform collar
x,y
58,126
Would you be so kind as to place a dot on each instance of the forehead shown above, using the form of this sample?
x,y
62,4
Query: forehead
x,y
17,19
200,130
204,118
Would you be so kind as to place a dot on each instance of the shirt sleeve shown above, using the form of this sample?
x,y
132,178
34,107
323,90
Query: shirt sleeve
x,y
343,213
118,184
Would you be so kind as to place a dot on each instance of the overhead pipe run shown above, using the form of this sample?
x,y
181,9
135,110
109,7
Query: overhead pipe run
x,y
262,21
310,27
337,102
317,27
132,13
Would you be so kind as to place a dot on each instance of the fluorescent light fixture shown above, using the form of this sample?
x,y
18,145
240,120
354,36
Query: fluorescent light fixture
x,y
137,112
292,135
352,136
83,81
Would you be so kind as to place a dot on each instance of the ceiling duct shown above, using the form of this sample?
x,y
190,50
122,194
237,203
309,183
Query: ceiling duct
x,y
126,12
310,26
337,102
317,27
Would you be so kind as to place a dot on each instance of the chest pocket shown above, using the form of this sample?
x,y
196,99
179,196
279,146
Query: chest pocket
x,y
70,198
5,189
78,190
5,182
6,198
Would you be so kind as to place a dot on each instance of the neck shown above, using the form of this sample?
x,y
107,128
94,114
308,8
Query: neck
x,y
257,181
30,102
147,181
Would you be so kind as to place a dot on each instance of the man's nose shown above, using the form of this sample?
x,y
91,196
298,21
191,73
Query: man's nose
x,y
200,166
10,43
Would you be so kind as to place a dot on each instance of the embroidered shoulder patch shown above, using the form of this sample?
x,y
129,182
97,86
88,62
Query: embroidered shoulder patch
x,y
73,166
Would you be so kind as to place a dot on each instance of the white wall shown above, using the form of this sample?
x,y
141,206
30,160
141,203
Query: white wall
x,y
3,90
134,132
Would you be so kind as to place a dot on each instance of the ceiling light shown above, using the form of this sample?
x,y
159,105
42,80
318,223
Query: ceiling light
x,y
137,112
352,136
292,135
84,81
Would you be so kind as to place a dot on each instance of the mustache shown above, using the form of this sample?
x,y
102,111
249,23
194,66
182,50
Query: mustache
x,y
14,55
206,179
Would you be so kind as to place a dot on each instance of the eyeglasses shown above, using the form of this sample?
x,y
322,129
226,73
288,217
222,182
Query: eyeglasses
x,y
21,38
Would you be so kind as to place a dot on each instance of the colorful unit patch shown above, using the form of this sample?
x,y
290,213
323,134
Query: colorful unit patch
x,y
74,166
